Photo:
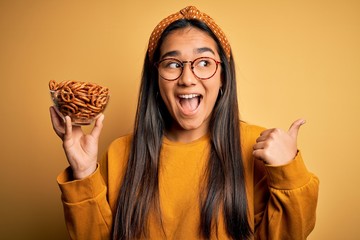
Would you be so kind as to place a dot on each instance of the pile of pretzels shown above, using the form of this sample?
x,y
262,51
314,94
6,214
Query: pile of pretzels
x,y
79,100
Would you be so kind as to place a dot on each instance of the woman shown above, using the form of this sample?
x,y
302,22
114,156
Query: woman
x,y
191,169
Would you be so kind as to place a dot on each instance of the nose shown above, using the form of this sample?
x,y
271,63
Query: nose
x,y
187,77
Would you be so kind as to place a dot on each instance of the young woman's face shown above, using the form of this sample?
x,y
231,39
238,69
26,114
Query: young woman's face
x,y
189,99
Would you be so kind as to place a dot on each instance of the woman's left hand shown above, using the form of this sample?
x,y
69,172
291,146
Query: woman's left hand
x,y
276,146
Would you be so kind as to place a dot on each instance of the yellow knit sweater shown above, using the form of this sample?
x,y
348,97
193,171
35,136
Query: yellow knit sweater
x,y
282,200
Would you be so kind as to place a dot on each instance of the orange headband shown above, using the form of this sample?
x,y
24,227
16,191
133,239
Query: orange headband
x,y
189,12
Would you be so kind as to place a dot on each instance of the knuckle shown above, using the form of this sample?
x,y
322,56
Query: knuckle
x,y
277,130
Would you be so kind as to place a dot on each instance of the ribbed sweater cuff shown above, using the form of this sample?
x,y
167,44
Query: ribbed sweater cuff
x,y
74,191
290,176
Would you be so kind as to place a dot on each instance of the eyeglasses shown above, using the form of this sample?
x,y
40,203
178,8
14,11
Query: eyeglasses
x,y
203,68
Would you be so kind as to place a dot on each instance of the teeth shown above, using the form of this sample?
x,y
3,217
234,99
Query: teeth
x,y
187,96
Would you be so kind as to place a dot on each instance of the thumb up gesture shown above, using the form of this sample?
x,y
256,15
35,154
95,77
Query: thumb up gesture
x,y
276,146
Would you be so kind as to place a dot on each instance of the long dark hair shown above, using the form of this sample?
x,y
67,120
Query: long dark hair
x,y
224,176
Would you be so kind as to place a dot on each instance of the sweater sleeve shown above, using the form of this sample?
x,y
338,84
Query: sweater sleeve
x,y
86,209
285,199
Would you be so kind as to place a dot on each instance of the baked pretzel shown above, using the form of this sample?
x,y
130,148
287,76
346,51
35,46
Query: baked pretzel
x,y
80,100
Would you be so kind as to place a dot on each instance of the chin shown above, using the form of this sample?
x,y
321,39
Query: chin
x,y
192,124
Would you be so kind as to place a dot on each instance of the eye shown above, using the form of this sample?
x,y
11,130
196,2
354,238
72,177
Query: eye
x,y
203,63
174,65
171,64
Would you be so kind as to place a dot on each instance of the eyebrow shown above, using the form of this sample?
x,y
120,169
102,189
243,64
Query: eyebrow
x,y
204,49
177,53
170,54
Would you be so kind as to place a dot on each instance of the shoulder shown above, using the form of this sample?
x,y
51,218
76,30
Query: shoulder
x,y
121,141
117,153
249,133
120,146
113,166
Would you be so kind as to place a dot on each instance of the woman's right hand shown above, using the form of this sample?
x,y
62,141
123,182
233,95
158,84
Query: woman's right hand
x,y
81,149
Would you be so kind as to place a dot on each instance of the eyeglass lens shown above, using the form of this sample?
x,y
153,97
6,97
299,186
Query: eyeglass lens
x,y
172,68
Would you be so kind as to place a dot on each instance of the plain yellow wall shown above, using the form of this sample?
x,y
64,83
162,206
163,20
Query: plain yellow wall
x,y
294,59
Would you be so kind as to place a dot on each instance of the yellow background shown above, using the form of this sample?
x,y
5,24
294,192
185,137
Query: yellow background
x,y
294,59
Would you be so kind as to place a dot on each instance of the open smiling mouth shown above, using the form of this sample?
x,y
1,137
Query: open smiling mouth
x,y
189,102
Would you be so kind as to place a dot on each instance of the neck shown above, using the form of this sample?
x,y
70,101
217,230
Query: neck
x,y
178,134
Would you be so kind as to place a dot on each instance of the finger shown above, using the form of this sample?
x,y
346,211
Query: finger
x,y
98,126
266,132
262,138
260,145
57,122
68,128
294,128
259,154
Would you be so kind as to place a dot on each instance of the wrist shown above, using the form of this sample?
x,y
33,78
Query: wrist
x,y
81,174
290,176
76,191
